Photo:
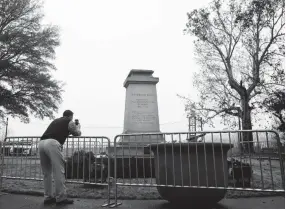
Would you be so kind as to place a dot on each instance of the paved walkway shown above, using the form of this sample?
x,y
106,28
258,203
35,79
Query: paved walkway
x,y
17,201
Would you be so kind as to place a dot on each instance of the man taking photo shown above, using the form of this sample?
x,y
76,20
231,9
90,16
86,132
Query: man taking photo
x,y
51,157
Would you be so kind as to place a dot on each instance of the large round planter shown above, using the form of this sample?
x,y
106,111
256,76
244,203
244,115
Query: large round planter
x,y
191,164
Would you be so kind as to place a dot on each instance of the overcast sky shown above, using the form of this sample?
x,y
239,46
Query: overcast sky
x,y
101,41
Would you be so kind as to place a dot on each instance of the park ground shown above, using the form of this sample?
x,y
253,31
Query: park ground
x,y
30,168
19,201
266,175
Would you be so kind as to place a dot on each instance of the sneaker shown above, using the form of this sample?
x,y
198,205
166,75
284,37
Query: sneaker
x,y
64,202
48,201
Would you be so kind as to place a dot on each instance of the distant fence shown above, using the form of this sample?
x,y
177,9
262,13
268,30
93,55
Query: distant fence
x,y
202,160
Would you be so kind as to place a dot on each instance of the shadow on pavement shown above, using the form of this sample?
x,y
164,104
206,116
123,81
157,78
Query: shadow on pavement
x,y
54,206
168,205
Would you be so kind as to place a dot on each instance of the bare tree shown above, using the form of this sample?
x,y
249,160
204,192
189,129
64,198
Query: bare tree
x,y
237,45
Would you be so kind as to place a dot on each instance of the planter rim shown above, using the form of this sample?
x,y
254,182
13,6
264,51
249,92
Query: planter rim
x,y
192,144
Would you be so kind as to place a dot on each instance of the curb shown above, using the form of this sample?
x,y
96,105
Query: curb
x,y
258,195
26,192
40,193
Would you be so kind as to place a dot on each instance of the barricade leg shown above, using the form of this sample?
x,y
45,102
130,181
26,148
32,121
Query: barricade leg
x,y
112,182
115,204
108,203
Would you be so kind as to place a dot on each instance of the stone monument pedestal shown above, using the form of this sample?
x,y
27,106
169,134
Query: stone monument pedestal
x,y
133,158
141,115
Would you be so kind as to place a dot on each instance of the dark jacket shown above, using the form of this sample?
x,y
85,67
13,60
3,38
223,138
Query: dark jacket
x,y
58,130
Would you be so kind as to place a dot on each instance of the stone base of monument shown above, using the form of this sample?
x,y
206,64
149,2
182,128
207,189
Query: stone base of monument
x,y
198,165
132,162
134,158
135,145
133,168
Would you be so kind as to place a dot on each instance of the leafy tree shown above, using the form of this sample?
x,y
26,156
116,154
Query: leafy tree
x,y
27,48
238,44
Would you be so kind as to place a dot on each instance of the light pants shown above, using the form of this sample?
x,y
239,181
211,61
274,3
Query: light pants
x,y
52,161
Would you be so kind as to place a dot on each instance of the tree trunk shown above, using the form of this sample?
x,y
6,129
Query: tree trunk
x,y
247,137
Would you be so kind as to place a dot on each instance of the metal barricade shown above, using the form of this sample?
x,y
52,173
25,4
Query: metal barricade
x,y
245,160
86,161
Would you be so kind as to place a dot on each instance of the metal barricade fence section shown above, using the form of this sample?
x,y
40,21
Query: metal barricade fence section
x,y
228,160
86,160
20,158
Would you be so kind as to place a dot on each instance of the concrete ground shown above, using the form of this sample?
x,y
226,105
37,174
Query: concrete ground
x,y
18,201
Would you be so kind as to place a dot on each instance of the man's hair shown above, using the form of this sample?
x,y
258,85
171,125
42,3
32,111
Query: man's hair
x,y
68,113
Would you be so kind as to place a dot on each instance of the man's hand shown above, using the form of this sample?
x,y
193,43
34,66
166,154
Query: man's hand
x,y
78,126
74,129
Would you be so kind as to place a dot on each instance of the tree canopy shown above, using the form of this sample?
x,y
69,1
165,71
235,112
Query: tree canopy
x,y
27,49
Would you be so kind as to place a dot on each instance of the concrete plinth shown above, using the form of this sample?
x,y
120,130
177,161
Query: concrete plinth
x,y
127,151
141,107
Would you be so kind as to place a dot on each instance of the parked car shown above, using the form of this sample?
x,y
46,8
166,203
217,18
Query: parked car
x,y
24,148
